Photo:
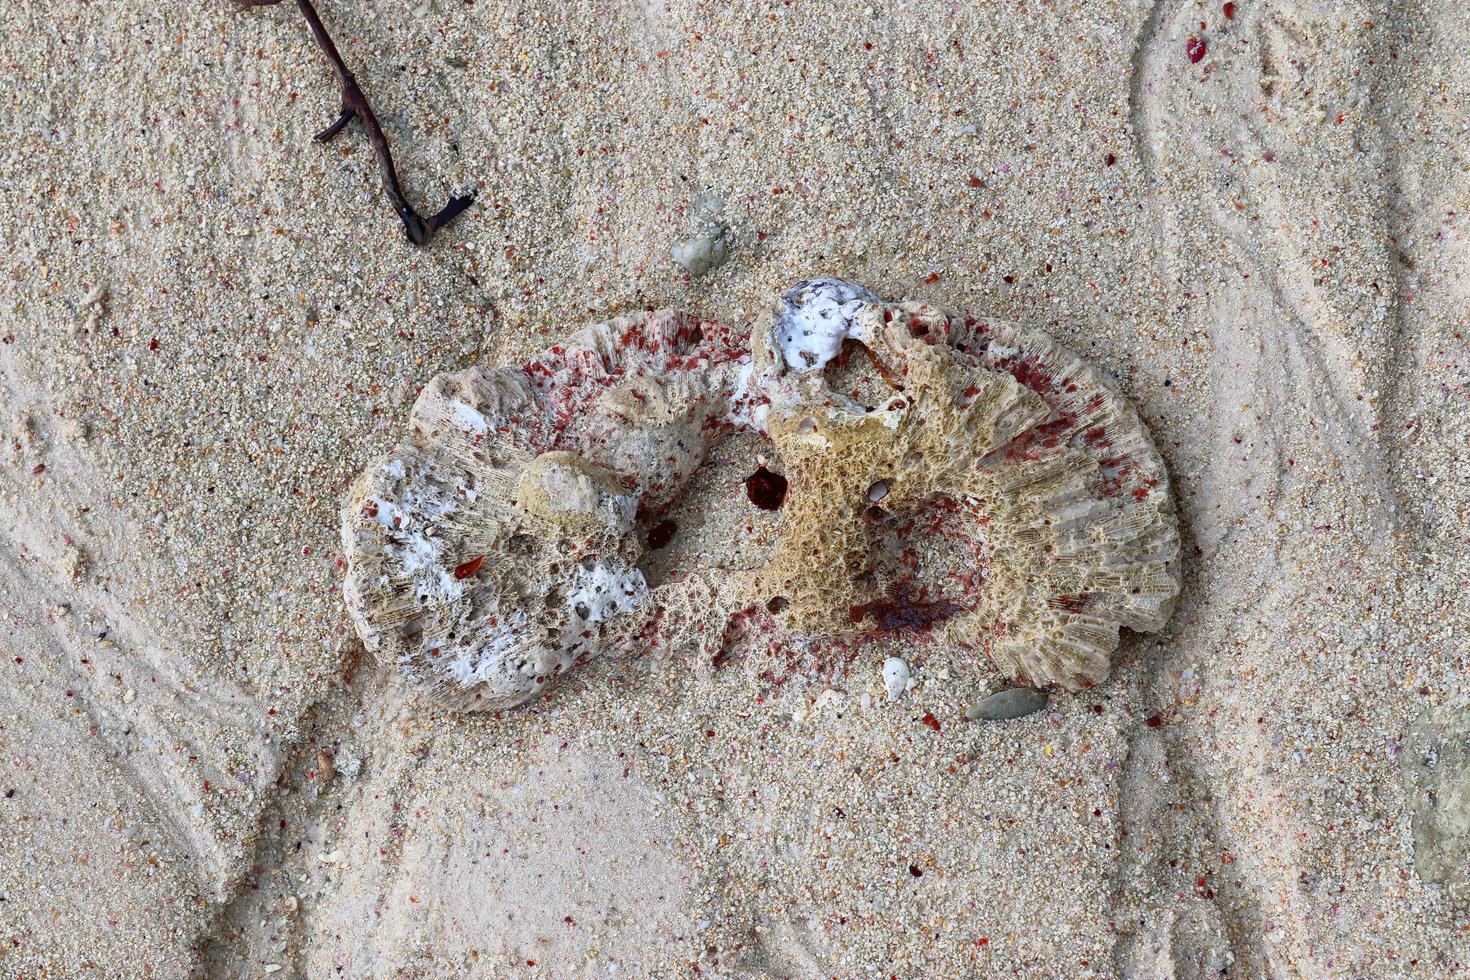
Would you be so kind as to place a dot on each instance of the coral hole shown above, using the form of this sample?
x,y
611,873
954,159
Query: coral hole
x,y
927,561
765,489
857,373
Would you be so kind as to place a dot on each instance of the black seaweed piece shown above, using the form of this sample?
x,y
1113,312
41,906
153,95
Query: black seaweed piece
x,y
355,105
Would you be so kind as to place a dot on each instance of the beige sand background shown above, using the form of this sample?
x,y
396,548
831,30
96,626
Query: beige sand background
x,y
209,324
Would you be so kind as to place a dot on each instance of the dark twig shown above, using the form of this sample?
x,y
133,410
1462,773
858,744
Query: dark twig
x,y
355,106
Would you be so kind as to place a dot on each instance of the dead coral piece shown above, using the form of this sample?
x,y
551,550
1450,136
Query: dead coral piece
x,y
964,477
944,476
497,546
355,106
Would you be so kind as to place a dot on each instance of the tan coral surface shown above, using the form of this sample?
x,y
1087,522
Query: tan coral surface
x,y
1057,485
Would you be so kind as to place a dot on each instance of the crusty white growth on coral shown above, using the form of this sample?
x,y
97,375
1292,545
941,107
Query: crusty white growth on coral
x,y
602,591
497,546
982,485
816,316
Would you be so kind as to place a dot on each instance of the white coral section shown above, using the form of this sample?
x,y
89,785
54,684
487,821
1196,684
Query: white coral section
x,y
496,547
604,590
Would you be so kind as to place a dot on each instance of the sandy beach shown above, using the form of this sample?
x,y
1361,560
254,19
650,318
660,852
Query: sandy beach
x,y
1247,216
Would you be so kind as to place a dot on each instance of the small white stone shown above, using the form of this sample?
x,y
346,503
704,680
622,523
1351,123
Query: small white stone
x,y
703,252
896,676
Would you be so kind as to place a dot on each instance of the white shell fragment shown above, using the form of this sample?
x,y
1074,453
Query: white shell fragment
x,y
895,677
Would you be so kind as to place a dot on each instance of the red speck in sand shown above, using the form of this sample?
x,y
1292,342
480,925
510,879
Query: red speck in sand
x,y
1229,11
1195,49
469,568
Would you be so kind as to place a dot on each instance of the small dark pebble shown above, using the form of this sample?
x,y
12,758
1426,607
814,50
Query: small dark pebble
x,y
1013,702
765,489
9,793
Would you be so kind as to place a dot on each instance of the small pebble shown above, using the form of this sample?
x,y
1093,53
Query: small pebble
x,y
895,677
1013,702
708,247
704,252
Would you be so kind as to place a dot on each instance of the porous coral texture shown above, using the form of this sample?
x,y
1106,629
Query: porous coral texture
x,y
962,477
498,545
